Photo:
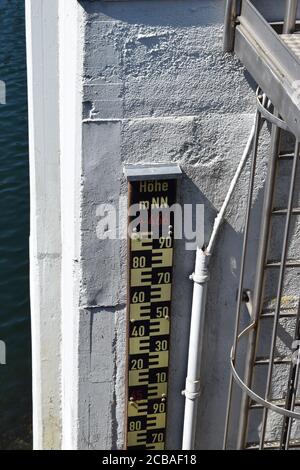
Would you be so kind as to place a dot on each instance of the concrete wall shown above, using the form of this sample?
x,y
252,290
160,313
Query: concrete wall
x,y
157,87
140,81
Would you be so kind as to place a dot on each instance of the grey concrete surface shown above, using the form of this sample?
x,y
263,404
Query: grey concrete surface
x,y
157,87
141,81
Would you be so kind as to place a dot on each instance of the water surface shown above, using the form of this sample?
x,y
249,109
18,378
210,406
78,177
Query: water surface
x,y
15,377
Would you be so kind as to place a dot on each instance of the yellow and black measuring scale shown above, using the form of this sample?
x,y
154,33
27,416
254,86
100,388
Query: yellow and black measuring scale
x,y
152,192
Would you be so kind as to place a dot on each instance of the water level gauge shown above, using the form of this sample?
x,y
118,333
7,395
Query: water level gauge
x,y
152,192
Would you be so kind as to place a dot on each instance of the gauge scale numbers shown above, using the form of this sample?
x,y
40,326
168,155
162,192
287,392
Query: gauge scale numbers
x,y
149,313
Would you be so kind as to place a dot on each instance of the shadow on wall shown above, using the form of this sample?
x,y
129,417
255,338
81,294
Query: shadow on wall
x,y
220,316
189,193
158,12
219,329
221,310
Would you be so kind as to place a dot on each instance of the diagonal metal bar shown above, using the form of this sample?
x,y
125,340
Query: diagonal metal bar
x,y
258,123
259,284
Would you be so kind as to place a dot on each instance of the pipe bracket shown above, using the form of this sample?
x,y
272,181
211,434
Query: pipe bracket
x,y
192,389
199,279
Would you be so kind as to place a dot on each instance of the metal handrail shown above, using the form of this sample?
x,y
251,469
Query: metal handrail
x,y
255,397
269,116
289,25
263,113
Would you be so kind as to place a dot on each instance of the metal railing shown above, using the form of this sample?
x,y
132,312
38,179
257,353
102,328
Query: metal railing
x,y
286,406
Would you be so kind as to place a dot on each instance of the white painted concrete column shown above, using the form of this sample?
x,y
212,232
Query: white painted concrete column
x,y
45,238
77,313
70,140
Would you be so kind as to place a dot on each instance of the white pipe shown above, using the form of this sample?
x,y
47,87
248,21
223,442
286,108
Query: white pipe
x,y
200,277
192,385
220,216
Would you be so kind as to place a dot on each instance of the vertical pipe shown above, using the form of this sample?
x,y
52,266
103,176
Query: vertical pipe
x,y
192,388
289,25
230,15
243,262
200,278
258,290
279,290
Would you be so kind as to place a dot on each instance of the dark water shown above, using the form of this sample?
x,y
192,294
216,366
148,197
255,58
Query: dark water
x,y
15,377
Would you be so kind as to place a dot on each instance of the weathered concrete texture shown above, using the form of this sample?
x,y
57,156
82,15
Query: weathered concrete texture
x,y
102,173
98,354
139,81
157,87
156,59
